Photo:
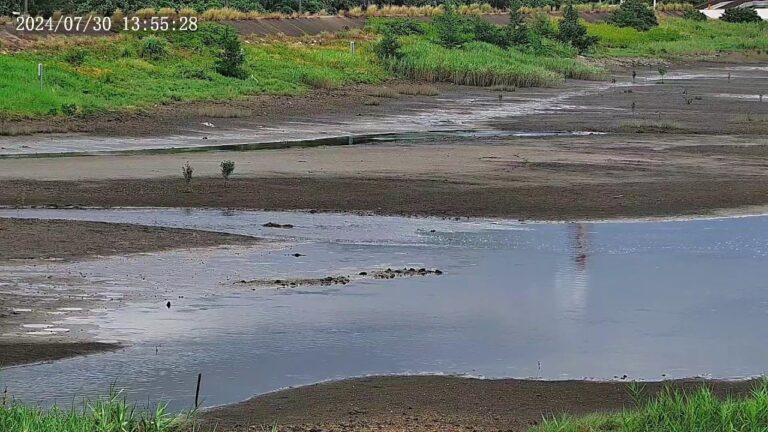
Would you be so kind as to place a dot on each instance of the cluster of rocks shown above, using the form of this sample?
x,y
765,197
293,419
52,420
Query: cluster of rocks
x,y
341,280
404,272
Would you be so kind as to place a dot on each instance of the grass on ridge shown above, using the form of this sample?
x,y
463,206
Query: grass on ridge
x,y
672,411
113,76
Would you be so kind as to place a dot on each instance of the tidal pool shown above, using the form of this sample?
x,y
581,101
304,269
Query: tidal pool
x,y
651,300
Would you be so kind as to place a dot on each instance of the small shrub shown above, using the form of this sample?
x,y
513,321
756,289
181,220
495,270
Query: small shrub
x,y
231,57
635,14
398,27
452,29
69,109
694,15
76,57
662,71
572,32
741,15
541,24
388,48
516,30
153,48
186,171
487,32
227,168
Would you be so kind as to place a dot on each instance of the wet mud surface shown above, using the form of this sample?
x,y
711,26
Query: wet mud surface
x,y
17,353
434,403
25,239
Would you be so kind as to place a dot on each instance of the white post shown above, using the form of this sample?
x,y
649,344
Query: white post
x,y
40,72
654,4
352,46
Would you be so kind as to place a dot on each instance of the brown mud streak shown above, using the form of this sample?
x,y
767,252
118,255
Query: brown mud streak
x,y
17,353
44,239
654,197
434,403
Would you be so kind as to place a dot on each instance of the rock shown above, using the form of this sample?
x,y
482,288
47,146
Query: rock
x,y
276,225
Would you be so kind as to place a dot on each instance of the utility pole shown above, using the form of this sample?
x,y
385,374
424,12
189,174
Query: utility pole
x,y
26,7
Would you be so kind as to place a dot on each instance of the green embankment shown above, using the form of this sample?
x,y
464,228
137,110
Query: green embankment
x,y
85,76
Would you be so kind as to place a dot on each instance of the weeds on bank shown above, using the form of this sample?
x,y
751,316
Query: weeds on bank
x,y
675,410
110,414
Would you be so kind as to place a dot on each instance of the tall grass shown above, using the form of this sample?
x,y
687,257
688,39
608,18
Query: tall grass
x,y
111,414
671,410
482,64
676,37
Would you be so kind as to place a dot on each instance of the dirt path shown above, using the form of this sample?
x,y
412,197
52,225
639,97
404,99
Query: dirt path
x,y
431,403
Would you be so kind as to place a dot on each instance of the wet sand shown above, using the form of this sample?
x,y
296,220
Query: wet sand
x,y
433,403
17,353
564,178
25,239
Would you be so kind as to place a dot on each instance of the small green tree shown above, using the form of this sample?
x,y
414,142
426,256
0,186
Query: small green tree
x,y
694,15
741,15
230,57
635,14
662,72
517,30
388,48
571,31
227,168
452,29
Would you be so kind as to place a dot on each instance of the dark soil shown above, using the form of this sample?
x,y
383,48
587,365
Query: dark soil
x,y
16,353
433,403
32,238
656,197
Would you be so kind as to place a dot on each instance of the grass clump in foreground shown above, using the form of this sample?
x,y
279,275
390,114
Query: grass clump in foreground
x,y
111,414
672,410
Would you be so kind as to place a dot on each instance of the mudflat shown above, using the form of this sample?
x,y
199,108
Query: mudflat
x,y
435,403
58,239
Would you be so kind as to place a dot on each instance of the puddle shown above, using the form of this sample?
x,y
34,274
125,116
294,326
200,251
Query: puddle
x,y
586,300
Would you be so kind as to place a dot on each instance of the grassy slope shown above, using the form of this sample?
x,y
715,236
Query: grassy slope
x,y
676,37
114,76
700,411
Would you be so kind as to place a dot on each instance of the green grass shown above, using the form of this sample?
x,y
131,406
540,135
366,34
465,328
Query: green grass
x,y
482,64
672,411
113,76
110,414
677,38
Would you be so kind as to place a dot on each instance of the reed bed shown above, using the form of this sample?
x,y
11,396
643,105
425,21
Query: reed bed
x,y
481,64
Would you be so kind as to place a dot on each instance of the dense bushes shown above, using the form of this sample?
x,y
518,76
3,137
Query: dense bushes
x,y
695,15
635,14
741,15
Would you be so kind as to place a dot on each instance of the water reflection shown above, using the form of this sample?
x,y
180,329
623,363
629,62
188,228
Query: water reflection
x,y
556,301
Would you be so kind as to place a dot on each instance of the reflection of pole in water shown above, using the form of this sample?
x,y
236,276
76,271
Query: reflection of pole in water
x,y
580,246
572,278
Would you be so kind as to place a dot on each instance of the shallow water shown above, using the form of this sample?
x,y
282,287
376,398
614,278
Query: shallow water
x,y
586,300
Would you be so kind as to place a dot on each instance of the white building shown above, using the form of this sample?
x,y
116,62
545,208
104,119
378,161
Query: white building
x,y
716,9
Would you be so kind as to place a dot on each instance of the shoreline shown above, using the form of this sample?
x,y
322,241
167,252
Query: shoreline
x,y
437,402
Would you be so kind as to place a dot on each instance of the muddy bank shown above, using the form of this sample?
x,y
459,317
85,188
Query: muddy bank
x,y
250,112
17,353
433,403
694,196
46,239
